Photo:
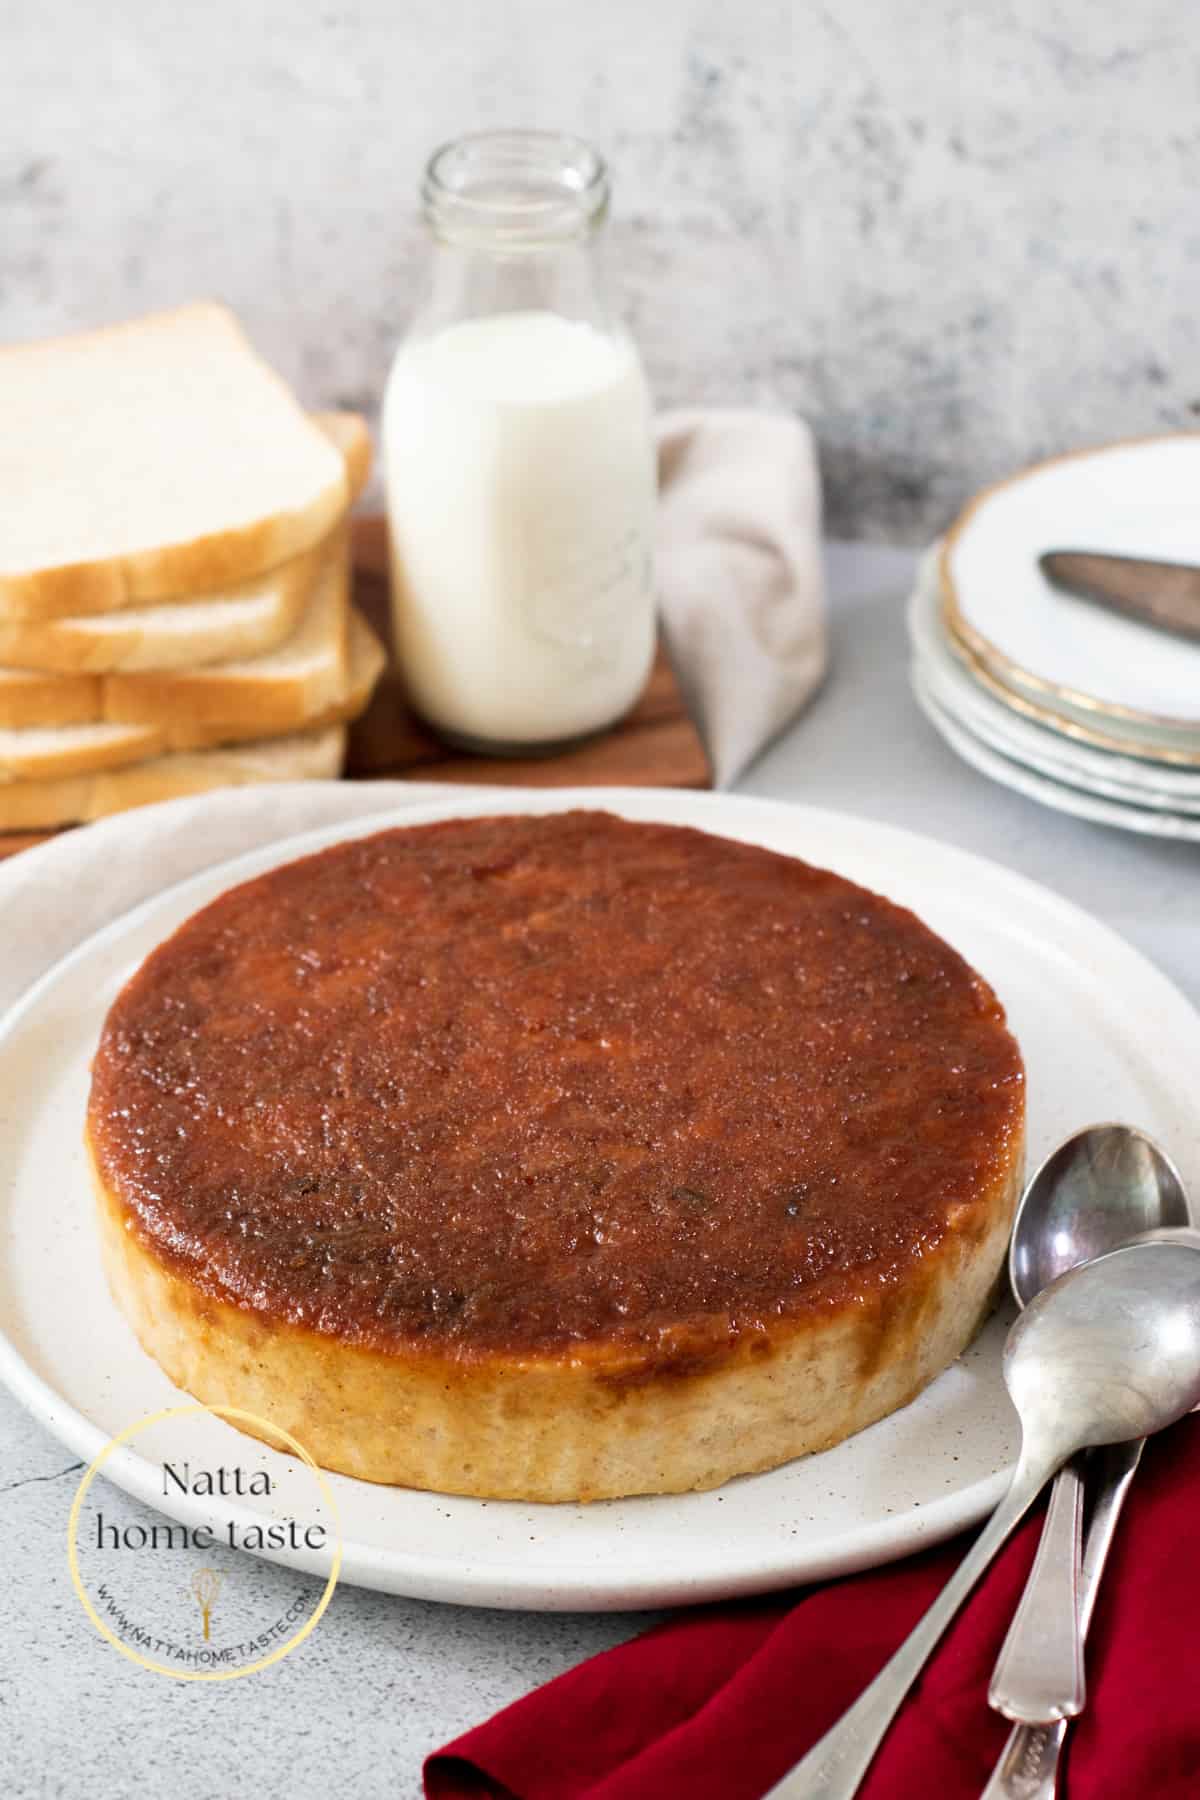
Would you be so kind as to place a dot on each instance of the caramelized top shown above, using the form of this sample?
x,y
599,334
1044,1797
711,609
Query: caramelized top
x,y
523,1084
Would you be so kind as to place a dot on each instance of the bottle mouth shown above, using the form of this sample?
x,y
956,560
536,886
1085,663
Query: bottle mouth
x,y
515,190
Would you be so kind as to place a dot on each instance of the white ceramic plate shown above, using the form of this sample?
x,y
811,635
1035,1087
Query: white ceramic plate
x,y
1170,745
1104,1035
979,711
1136,499
1081,803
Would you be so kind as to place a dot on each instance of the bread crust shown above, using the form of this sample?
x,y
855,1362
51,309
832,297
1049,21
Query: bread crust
x,y
313,755
121,640
103,747
32,697
287,712
174,572
50,795
267,702
351,434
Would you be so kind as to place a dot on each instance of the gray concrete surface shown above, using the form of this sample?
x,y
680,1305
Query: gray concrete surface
x,y
957,235
382,1681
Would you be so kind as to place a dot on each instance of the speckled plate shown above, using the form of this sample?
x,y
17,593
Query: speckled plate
x,y
1104,1035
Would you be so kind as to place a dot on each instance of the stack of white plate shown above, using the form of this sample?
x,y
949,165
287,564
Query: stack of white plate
x,y
1078,707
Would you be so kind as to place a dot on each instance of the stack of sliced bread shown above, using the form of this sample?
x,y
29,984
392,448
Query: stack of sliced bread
x,y
174,571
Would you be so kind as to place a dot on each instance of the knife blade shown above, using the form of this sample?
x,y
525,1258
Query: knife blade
x,y
1163,594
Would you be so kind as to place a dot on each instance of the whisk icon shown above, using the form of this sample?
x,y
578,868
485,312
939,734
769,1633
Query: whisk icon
x,y
206,1585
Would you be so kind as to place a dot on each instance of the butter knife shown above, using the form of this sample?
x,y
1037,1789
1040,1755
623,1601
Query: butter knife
x,y
1163,594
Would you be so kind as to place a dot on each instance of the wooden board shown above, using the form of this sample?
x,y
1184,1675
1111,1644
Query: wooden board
x,y
655,745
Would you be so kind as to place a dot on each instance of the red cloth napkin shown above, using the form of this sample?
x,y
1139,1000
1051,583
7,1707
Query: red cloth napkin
x,y
718,1702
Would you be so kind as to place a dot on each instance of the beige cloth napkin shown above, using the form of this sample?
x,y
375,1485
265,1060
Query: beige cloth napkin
x,y
740,585
55,896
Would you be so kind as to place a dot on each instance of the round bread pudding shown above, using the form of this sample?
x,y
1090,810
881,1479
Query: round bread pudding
x,y
555,1158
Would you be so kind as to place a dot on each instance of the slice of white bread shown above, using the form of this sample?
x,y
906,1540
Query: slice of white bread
x,y
279,688
365,660
149,460
241,621
58,752
75,799
245,622
51,751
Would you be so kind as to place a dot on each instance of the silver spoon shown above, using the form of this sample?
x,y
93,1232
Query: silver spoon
x,y
1099,1189
1027,1768
1106,1176
1109,1352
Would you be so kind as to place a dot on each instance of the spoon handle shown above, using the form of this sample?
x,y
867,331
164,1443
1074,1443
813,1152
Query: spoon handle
x,y
1028,1765
835,1765
1038,1676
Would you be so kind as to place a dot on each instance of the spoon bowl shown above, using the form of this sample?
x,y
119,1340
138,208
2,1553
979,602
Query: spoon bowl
x,y
1111,1351
1104,1186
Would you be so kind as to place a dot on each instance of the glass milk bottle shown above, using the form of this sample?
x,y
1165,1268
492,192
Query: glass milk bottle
x,y
519,458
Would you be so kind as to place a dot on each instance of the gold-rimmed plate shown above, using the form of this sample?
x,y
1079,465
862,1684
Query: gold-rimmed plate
x,y
965,690
1077,661
1157,746
1062,796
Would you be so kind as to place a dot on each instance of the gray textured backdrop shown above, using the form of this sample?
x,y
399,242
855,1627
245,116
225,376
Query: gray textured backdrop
x,y
955,236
